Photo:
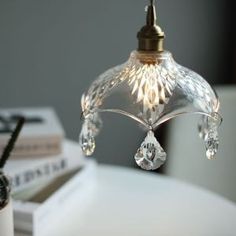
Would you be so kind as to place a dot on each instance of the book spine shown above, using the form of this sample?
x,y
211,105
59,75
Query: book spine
x,y
36,147
43,171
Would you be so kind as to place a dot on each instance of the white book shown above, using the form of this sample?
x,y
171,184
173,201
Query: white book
x,y
25,173
42,133
40,214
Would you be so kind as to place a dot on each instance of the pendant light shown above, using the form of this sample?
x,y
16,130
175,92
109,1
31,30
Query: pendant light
x,y
150,88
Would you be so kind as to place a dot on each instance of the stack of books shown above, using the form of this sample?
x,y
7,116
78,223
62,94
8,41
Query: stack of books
x,y
47,171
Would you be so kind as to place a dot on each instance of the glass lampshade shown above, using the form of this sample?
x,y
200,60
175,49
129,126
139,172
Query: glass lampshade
x,y
150,88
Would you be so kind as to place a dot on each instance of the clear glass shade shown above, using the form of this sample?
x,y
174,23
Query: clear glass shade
x,y
150,88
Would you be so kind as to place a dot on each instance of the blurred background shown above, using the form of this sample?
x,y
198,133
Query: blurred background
x,y
50,52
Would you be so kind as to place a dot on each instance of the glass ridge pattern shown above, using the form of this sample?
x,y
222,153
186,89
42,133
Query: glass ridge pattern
x,y
151,88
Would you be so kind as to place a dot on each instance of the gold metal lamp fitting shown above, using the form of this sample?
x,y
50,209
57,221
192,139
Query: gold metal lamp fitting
x,y
151,36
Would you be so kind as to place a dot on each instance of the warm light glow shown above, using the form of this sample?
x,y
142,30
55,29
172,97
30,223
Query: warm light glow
x,y
151,85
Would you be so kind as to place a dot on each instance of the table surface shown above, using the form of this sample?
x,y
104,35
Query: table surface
x,y
132,202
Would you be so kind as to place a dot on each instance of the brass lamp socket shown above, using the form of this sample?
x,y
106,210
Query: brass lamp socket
x,y
151,36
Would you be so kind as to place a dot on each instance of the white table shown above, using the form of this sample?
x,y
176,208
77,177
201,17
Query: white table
x,y
131,202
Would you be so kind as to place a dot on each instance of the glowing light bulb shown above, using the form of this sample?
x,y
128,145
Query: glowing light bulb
x,y
151,85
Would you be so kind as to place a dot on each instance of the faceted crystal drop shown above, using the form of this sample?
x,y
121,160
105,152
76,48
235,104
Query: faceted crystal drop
x,y
208,123
150,155
207,128
87,141
94,123
212,143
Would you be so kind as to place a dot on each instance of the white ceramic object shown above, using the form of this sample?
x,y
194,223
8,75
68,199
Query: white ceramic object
x,y
6,220
137,203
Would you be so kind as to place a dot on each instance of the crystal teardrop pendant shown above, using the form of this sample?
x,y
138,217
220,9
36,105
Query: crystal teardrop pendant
x,y
86,140
212,143
208,123
94,124
208,131
150,155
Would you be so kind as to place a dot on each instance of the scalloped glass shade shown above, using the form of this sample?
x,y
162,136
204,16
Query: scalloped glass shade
x,y
150,88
